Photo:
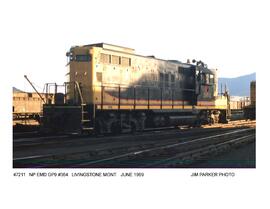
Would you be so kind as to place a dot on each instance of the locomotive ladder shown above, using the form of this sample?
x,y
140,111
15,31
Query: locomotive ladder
x,y
85,121
85,116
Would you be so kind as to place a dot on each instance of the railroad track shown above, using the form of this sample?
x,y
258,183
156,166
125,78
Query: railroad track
x,y
189,157
47,146
176,154
36,133
234,124
41,140
150,153
56,145
26,134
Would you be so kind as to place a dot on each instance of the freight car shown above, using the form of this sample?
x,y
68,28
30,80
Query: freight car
x,y
26,106
250,110
238,103
111,89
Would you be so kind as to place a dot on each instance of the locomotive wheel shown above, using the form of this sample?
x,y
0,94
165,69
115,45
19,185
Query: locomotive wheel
x,y
198,123
115,128
133,127
98,129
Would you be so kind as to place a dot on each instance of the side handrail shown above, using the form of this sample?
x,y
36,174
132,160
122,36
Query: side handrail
x,y
79,90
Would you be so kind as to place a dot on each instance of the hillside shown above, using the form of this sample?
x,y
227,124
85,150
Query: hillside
x,y
15,90
239,86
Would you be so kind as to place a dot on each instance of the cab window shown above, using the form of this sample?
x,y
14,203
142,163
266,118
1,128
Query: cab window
x,y
212,79
83,58
207,78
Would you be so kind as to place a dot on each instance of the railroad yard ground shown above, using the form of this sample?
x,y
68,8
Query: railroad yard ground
x,y
242,157
217,146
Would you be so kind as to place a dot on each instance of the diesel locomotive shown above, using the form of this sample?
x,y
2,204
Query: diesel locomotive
x,y
111,89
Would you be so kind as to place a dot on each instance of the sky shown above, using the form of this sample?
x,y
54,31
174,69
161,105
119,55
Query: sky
x,y
227,35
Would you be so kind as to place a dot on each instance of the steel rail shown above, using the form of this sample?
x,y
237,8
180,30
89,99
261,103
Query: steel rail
x,y
200,152
161,147
129,154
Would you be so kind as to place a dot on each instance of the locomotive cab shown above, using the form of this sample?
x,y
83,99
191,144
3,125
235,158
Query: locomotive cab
x,y
214,108
79,70
206,84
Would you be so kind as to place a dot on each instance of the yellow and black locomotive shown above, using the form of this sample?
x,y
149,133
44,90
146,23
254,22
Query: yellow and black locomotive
x,y
111,89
